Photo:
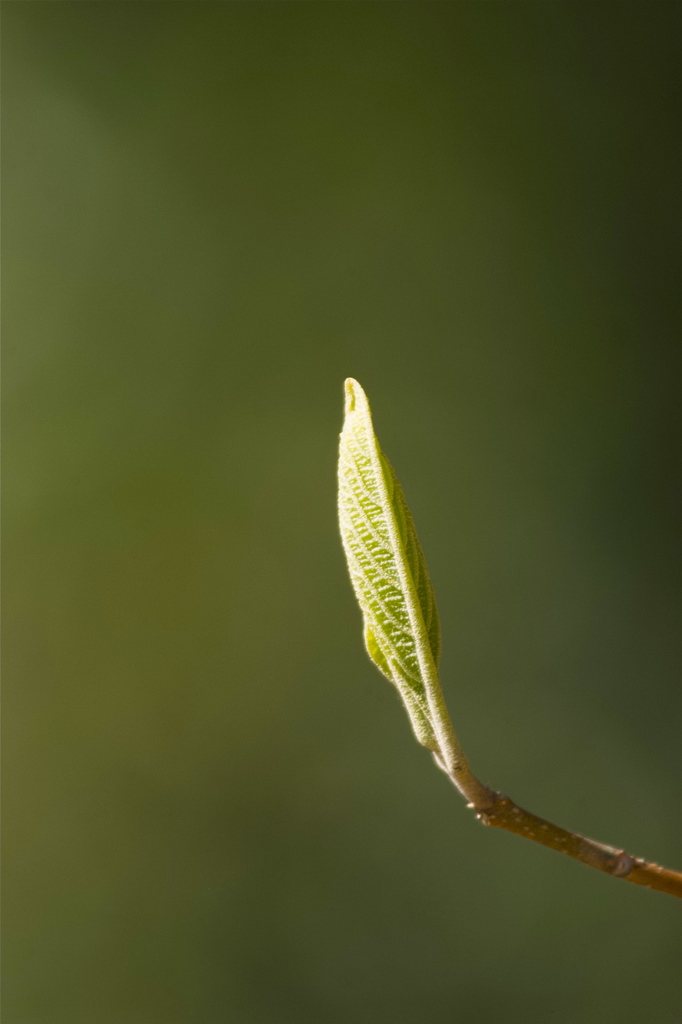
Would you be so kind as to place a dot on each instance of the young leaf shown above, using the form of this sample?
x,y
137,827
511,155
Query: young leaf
x,y
389,574
402,637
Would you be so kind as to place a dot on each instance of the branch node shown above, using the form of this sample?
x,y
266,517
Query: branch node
x,y
623,865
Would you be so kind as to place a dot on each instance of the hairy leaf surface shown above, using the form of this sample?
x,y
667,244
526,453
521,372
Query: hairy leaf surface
x,y
387,566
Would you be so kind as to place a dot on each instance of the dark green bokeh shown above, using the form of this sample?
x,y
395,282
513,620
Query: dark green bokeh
x,y
214,212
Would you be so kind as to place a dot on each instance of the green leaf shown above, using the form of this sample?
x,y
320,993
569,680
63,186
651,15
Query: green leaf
x,y
388,572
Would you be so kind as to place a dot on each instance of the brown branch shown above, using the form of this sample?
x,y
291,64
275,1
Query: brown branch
x,y
496,809
504,813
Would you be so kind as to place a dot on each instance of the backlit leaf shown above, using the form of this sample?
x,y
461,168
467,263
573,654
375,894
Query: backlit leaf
x,y
387,568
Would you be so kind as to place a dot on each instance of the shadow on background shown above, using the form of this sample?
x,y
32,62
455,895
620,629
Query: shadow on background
x,y
213,214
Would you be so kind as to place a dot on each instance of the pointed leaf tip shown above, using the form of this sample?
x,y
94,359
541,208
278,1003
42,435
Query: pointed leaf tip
x,y
354,395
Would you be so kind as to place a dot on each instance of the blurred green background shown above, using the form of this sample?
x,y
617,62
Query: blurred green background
x,y
214,212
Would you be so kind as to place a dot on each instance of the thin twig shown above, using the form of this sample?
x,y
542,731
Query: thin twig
x,y
495,809
617,863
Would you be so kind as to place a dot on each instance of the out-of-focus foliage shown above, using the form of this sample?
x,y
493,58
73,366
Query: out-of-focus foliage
x,y
214,213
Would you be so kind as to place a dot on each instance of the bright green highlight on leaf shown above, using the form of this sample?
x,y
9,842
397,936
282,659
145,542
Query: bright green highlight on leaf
x,y
389,574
